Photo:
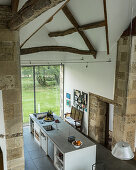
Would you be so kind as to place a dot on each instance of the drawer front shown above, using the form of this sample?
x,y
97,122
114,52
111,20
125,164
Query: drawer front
x,y
37,133
36,127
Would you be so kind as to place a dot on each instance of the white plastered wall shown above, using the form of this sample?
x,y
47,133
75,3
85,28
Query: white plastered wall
x,y
2,132
97,78
111,114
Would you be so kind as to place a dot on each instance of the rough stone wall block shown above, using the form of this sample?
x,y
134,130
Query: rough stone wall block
x,y
97,111
10,85
124,124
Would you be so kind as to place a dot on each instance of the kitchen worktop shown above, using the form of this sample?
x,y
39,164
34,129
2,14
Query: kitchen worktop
x,y
61,133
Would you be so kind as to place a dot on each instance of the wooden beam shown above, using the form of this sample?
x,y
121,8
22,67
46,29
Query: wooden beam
x,y
55,48
107,125
31,10
1,160
14,6
106,26
76,25
81,28
131,30
46,22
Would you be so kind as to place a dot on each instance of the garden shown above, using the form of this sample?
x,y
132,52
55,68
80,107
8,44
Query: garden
x,y
47,90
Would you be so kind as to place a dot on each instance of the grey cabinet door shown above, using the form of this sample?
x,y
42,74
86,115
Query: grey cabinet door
x,y
50,149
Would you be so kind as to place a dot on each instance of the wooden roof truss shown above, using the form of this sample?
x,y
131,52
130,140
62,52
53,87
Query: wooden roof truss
x,y
76,28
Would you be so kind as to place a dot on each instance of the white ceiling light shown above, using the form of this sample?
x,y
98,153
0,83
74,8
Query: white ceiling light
x,y
123,151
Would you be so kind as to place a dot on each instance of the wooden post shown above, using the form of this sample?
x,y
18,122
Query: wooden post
x,y
107,126
14,6
1,160
106,26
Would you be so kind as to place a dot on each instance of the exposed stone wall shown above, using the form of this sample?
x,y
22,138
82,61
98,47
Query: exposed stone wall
x,y
62,91
125,93
124,125
1,160
97,111
10,84
121,82
5,16
130,118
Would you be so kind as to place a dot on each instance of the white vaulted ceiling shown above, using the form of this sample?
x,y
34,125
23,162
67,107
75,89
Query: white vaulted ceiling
x,y
87,11
119,13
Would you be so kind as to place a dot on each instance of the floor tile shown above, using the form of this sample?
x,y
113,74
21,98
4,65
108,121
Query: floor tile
x,y
26,129
37,153
46,168
35,157
28,138
44,162
29,165
31,147
112,163
27,156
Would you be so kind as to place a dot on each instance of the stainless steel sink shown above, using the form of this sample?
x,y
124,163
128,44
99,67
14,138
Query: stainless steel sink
x,y
49,128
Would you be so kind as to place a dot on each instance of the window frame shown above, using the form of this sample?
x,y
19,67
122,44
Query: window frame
x,y
34,80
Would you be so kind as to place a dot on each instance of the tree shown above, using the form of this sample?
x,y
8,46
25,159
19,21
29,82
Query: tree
x,y
47,73
26,71
55,70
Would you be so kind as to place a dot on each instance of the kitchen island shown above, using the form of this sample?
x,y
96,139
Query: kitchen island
x,y
55,144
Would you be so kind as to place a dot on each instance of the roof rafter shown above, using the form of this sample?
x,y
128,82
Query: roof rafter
x,y
46,22
55,48
14,6
71,18
81,28
106,26
77,28
31,10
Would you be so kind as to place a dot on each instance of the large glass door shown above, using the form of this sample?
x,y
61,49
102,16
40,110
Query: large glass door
x,y
40,90
47,89
27,92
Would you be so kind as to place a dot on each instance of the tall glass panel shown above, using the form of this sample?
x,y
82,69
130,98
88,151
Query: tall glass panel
x,y
27,92
47,80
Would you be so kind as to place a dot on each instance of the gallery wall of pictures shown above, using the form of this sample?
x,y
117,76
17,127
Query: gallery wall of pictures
x,y
80,100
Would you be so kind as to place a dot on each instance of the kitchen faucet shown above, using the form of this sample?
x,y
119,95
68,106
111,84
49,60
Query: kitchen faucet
x,y
56,125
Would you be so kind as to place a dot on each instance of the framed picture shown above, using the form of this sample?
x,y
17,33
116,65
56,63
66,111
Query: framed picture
x,y
68,96
68,103
77,93
85,109
80,100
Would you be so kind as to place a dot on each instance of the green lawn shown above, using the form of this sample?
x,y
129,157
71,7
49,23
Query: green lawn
x,y
47,97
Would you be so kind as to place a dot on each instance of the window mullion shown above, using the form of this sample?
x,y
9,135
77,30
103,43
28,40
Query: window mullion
x,y
34,89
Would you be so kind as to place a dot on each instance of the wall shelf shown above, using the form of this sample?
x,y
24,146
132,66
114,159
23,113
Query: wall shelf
x,y
59,158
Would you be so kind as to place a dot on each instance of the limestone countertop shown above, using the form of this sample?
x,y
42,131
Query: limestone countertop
x,y
60,136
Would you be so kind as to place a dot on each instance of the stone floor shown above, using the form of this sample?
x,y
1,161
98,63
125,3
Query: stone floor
x,y
111,163
35,158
